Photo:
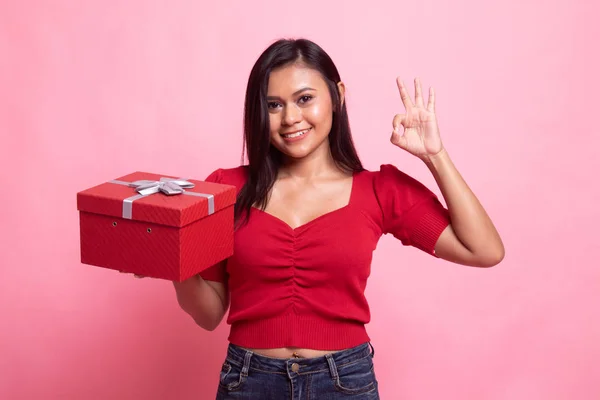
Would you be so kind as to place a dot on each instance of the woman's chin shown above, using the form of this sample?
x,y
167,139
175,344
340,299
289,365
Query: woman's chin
x,y
296,155
299,151
295,151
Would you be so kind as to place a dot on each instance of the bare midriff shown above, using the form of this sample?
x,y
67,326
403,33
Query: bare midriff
x,y
292,352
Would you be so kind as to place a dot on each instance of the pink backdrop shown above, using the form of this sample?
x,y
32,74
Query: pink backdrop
x,y
97,89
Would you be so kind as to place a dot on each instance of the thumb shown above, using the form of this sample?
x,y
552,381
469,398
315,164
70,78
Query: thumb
x,y
398,139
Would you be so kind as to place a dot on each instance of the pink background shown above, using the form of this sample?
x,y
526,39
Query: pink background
x,y
97,89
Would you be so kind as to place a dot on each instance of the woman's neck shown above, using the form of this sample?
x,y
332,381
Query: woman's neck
x,y
318,163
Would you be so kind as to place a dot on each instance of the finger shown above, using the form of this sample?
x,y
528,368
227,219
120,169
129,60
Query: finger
x,y
431,101
418,93
134,275
397,122
408,104
399,140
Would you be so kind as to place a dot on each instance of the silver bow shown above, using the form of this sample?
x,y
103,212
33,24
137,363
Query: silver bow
x,y
167,186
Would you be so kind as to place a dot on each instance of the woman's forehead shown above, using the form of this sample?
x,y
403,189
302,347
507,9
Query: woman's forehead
x,y
291,78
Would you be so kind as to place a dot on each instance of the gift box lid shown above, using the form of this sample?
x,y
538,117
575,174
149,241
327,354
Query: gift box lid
x,y
142,196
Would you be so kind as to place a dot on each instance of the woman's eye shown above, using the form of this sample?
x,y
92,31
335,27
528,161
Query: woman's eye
x,y
305,98
272,105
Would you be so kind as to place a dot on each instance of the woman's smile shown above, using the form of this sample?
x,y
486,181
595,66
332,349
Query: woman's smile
x,y
295,136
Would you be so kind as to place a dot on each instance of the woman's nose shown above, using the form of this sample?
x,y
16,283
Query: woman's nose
x,y
292,115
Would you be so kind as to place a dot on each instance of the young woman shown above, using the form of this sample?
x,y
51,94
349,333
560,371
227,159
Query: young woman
x,y
308,219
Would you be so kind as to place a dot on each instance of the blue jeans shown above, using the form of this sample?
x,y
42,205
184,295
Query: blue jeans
x,y
347,374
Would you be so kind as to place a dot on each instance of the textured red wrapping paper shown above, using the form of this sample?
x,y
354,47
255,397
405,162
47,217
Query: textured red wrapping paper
x,y
167,236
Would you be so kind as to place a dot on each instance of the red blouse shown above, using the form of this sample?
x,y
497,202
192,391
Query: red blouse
x,y
304,287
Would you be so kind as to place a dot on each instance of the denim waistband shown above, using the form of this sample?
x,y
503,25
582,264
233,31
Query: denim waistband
x,y
251,360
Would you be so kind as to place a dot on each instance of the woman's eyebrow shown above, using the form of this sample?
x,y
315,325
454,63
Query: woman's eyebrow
x,y
293,94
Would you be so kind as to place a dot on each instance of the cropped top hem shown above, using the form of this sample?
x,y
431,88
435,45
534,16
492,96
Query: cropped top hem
x,y
292,330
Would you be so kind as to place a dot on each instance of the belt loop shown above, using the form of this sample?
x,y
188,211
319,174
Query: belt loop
x,y
372,350
332,366
246,365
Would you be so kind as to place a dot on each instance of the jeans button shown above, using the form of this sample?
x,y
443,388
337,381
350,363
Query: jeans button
x,y
295,367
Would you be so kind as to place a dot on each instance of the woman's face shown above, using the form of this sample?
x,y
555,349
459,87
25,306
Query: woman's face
x,y
300,111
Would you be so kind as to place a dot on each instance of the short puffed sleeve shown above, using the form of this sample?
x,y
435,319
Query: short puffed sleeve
x,y
410,211
217,272
215,176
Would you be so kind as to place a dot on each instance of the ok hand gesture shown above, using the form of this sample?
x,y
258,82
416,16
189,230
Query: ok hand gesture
x,y
420,135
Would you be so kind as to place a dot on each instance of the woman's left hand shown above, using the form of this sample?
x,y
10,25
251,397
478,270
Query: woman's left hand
x,y
417,131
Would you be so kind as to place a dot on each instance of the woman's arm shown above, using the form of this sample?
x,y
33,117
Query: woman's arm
x,y
205,301
471,237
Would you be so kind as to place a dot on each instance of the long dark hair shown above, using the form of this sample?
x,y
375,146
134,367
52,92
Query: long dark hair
x,y
264,160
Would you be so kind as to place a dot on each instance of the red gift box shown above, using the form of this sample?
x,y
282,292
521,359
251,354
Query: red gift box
x,y
156,226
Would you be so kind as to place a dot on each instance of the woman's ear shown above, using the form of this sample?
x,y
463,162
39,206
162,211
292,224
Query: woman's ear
x,y
342,92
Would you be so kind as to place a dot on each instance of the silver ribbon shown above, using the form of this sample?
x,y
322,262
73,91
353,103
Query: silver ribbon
x,y
168,186
165,185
